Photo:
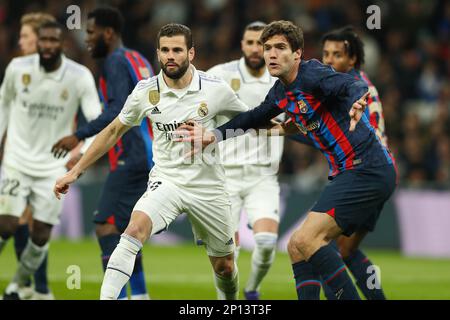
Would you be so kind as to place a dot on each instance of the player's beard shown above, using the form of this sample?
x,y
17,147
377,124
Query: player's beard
x,y
177,74
254,65
49,63
100,49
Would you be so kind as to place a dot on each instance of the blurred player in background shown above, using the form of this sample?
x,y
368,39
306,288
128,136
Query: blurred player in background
x,y
40,97
29,26
344,51
131,158
328,108
251,163
176,184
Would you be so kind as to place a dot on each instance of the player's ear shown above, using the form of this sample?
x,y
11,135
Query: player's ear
x,y
191,54
298,54
353,61
108,33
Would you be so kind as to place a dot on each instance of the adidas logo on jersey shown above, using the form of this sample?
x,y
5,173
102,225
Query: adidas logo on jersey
x,y
155,111
229,242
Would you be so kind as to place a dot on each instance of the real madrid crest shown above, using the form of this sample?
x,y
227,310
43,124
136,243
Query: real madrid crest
x,y
302,106
153,96
203,110
235,84
26,79
65,95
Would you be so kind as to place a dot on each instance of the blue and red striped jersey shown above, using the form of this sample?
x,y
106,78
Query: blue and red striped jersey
x,y
319,101
120,73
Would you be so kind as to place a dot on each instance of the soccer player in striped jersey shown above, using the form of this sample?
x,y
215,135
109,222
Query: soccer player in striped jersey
x,y
328,108
344,51
131,157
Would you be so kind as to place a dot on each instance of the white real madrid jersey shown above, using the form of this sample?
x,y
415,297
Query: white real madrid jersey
x,y
208,100
248,148
39,108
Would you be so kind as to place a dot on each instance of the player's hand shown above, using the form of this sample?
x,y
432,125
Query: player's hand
x,y
63,146
289,127
62,184
357,111
193,132
73,161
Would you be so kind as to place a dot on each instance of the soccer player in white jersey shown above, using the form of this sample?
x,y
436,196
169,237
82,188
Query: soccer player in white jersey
x,y
176,95
39,99
251,162
29,26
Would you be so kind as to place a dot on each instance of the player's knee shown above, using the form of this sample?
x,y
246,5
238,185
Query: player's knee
x,y
265,245
136,231
224,268
40,239
104,229
8,226
346,249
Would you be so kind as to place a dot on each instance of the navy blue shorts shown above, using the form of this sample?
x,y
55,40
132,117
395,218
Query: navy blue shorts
x,y
356,197
120,193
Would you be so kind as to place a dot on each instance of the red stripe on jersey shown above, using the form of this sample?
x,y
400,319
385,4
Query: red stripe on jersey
x,y
130,58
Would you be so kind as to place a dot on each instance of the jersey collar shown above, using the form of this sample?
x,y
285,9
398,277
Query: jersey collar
x,y
56,75
248,78
195,85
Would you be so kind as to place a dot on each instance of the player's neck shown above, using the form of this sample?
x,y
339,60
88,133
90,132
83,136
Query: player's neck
x,y
180,83
115,45
257,73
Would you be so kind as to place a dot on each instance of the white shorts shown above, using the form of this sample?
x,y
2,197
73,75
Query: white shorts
x,y
258,194
210,218
18,189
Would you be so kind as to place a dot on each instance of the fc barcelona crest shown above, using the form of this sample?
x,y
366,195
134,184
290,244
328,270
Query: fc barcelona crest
x,y
203,110
153,96
235,84
302,106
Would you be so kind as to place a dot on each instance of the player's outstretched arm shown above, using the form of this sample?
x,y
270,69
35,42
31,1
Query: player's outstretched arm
x,y
104,141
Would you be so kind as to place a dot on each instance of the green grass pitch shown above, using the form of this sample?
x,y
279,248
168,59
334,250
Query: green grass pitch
x,y
184,272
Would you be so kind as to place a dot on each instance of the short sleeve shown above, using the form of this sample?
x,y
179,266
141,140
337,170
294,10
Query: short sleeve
x,y
133,111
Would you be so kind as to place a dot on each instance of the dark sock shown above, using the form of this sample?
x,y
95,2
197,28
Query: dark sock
x,y
137,280
107,244
332,269
40,278
329,294
20,242
307,281
359,265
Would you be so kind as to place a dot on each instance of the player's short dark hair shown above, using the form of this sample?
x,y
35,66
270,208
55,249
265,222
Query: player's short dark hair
x,y
175,29
293,33
353,45
52,25
108,17
255,26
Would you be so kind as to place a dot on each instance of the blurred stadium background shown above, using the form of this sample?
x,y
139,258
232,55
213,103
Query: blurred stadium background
x,y
408,60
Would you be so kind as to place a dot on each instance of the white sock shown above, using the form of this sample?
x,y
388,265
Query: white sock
x,y
227,288
120,267
262,258
30,260
144,296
